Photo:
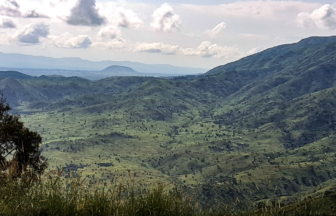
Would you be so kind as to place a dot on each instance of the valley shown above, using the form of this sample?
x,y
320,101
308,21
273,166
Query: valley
x,y
262,127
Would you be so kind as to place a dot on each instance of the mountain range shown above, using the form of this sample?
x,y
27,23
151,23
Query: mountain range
x,y
39,65
259,128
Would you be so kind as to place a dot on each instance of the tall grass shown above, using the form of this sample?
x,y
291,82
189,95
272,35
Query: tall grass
x,y
25,193
52,194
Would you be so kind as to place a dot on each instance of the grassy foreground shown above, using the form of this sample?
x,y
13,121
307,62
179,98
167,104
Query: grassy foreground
x,y
52,194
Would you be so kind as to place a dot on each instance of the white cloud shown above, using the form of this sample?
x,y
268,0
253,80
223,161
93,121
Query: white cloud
x,y
67,40
207,49
323,17
115,44
109,33
7,23
85,13
165,19
156,48
109,38
22,8
57,8
215,31
32,33
127,18
9,8
116,14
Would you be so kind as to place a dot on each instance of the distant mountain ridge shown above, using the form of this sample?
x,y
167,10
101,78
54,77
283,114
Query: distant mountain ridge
x,y
15,61
118,68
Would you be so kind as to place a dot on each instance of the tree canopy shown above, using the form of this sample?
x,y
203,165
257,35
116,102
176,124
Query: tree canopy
x,y
18,142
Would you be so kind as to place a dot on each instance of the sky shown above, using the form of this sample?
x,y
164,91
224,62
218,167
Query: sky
x,y
191,33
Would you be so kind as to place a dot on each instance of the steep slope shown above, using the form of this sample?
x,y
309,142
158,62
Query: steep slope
x,y
295,57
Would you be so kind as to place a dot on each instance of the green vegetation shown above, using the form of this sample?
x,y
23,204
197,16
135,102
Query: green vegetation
x,y
52,194
259,129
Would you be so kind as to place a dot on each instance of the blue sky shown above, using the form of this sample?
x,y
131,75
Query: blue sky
x,y
186,33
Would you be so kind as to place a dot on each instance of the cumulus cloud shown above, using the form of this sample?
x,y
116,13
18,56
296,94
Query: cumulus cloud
x,y
323,17
165,19
156,48
109,38
9,8
32,33
85,13
7,23
67,40
109,33
207,49
215,31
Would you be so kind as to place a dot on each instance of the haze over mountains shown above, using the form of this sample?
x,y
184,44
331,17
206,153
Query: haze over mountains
x,y
258,128
39,65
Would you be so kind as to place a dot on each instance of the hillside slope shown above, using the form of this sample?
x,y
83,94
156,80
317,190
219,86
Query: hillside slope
x,y
295,57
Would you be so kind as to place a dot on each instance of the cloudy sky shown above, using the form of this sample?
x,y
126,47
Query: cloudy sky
x,y
193,33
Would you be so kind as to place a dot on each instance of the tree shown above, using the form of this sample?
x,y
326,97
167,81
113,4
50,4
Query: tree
x,y
18,141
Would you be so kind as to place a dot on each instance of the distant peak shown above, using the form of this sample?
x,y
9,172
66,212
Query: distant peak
x,y
118,68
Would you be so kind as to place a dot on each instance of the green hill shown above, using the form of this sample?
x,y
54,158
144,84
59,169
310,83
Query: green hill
x,y
14,74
